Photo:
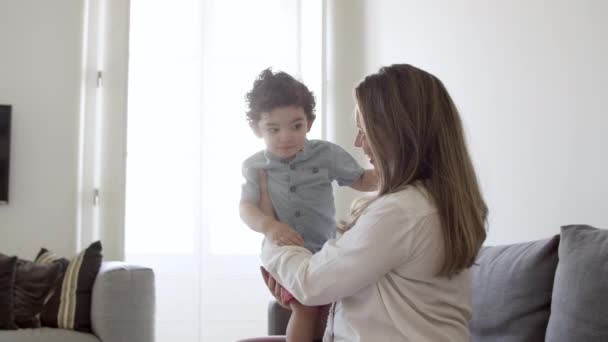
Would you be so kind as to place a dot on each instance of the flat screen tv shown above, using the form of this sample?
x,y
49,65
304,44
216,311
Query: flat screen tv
x,y
5,151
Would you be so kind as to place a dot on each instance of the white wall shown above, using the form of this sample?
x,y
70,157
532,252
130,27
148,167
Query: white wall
x,y
69,136
530,79
40,61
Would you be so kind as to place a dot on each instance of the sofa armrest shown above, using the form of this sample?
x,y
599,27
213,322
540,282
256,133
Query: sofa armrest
x,y
123,303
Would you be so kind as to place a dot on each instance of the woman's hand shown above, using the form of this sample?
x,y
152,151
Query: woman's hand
x,y
279,233
274,287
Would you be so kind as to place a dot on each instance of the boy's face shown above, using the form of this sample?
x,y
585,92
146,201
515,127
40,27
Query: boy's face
x,y
284,130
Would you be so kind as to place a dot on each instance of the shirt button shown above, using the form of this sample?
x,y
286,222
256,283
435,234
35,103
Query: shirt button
x,y
292,188
292,166
315,170
297,213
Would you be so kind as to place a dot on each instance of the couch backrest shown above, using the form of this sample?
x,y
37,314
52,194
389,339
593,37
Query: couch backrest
x,y
512,288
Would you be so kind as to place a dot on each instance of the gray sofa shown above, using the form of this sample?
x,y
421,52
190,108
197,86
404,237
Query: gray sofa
x,y
122,310
553,290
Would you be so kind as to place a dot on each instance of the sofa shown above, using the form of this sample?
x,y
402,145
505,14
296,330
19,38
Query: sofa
x,y
122,310
554,290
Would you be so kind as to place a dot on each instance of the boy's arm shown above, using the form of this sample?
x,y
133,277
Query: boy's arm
x,y
276,231
367,182
347,172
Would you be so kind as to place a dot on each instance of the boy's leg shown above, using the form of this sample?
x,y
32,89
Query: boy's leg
x,y
301,325
321,321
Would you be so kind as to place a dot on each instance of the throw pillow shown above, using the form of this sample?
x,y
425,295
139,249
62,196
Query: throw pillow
x,y
512,287
70,306
7,281
33,285
578,309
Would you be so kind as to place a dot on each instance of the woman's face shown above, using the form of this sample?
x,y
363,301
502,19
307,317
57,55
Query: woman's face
x,y
361,139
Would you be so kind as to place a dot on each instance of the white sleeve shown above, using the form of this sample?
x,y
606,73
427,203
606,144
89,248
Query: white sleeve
x,y
379,242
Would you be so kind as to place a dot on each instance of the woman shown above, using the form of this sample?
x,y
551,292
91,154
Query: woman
x,y
400,271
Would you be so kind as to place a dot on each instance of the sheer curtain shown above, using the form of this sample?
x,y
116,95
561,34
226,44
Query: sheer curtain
x,y
191,63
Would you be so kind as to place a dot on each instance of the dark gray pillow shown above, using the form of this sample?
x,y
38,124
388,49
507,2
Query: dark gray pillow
x,y
579,311
8,266
512,291
33,284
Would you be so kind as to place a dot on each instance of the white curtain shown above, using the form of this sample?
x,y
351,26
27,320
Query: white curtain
x,y
191,63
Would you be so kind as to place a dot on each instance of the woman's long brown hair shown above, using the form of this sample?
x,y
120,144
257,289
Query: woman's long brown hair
x,y
416,137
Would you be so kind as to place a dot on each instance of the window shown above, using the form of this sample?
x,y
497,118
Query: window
x,y
191,63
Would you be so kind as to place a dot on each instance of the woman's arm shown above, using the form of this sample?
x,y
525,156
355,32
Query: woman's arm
x,y
379,242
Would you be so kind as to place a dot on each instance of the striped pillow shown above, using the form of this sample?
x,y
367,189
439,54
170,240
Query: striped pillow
x,y
70,305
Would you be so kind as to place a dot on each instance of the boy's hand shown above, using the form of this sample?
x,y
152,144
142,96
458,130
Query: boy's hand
x,y
367,182
283,235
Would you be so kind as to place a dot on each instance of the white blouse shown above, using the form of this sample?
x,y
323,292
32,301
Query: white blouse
x,y
381,274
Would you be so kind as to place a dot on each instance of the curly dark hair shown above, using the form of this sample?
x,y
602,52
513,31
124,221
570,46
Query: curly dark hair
x,y
274,90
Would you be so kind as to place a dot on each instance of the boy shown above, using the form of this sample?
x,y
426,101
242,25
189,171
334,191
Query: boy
x,y
300,172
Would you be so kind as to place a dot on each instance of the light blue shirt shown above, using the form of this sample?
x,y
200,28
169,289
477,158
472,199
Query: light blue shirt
x,y
300,189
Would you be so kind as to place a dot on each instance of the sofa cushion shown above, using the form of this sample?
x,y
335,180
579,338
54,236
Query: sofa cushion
x,y
33,285
46,335
512,287
579,309
70,306
7,280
